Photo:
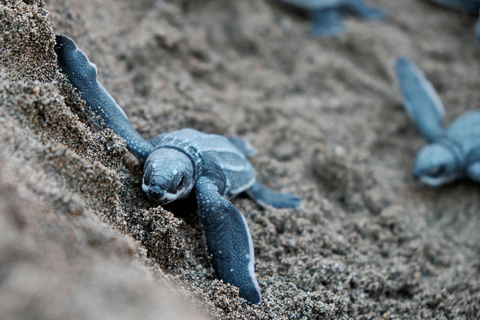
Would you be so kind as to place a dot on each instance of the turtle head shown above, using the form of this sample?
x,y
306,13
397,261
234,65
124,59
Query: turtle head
x,y
436,165
167,175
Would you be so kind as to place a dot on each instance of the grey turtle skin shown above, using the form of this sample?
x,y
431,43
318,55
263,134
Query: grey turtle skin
x,y
178,163
467,6
453,152
326,15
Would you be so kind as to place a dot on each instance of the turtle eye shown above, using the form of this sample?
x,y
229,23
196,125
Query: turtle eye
x,y
438,171
180,184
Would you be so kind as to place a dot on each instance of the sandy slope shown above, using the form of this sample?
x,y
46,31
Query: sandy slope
x,y
80,240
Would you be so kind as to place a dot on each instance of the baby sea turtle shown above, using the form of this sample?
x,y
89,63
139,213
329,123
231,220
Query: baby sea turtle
x,y
185,161
467,6
452,153
326,14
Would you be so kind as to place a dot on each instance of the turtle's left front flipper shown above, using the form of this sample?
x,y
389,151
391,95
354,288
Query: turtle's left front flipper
x,y
83,75
420,99
228,240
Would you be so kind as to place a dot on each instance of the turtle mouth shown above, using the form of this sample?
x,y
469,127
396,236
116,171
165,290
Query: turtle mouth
x,y
436,181
144,187
157,193
168,197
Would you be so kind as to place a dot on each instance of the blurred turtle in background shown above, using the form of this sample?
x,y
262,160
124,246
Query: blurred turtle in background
x,y
453,152
326,15
467,6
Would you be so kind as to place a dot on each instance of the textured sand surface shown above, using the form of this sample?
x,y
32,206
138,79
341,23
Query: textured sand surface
x,y
80,240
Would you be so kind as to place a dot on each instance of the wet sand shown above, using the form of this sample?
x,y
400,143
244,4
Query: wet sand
x,y
80,240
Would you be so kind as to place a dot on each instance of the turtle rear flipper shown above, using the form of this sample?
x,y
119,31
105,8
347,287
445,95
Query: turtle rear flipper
x,y
228,240
326,22
420,99
83,76
265,197
359,8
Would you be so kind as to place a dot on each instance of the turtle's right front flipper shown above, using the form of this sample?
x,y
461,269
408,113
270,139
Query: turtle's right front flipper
x,y
420,99
83,76
228,240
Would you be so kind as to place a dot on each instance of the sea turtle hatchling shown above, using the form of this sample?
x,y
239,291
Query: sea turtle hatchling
x,y
326,14
467,6
185,161
453,152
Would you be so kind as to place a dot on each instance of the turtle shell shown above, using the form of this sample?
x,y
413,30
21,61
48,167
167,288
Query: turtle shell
x,y
211,152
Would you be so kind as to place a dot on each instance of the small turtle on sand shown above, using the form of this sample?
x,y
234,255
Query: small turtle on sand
x,y
185,161
326,14
467,6
452,153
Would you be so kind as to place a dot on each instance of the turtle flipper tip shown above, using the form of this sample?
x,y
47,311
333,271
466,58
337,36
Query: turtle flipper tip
x,y
402,63
82,74
421,101
74,62
289,201
62,39
265,197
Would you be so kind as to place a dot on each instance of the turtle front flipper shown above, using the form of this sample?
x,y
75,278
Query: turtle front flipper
x,y
265,197
326,22
420,99
359,8
228,240
83,76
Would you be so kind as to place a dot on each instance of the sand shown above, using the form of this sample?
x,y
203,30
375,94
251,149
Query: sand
x,y
80,240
